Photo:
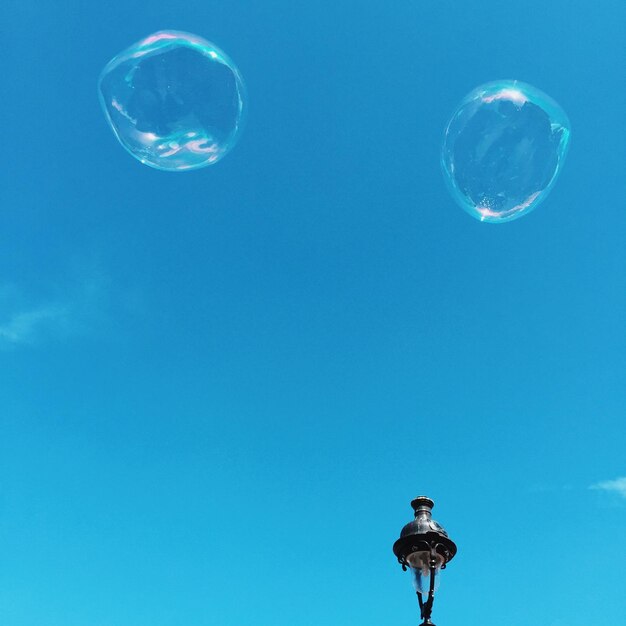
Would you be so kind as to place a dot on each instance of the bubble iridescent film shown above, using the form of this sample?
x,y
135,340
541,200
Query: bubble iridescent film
x,y
503,150
174,100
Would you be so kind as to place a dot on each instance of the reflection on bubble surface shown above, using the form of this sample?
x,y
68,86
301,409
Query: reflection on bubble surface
x,y
174,100
503,149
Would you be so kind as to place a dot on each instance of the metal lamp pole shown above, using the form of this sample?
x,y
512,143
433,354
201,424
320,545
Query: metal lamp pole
x,y
425,548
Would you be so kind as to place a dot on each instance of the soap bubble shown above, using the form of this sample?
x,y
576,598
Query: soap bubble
x,y
174,100
503,149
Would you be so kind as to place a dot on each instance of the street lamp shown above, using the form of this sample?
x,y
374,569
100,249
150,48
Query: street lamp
x,y
425,548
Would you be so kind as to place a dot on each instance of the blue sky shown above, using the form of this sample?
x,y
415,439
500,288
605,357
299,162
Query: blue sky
x,y
220,389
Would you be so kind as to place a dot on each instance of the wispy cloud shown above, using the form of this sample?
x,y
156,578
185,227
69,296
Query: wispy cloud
x,y
25,327
29,321
617,486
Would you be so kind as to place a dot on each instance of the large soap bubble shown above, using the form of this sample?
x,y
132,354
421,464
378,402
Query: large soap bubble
x,y
503,149
174,100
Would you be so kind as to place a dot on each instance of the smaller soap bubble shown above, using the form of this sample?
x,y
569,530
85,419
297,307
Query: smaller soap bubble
x,y
503,150
174,100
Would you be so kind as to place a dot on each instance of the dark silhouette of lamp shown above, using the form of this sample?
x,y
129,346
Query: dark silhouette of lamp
x,y
425,549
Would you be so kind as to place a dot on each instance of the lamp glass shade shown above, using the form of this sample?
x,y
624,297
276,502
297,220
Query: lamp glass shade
x,y
420,565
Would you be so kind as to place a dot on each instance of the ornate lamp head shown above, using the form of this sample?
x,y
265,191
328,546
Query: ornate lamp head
x,y
425,548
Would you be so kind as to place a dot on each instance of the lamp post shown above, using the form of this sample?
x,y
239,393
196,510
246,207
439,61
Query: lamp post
x,y
425,548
